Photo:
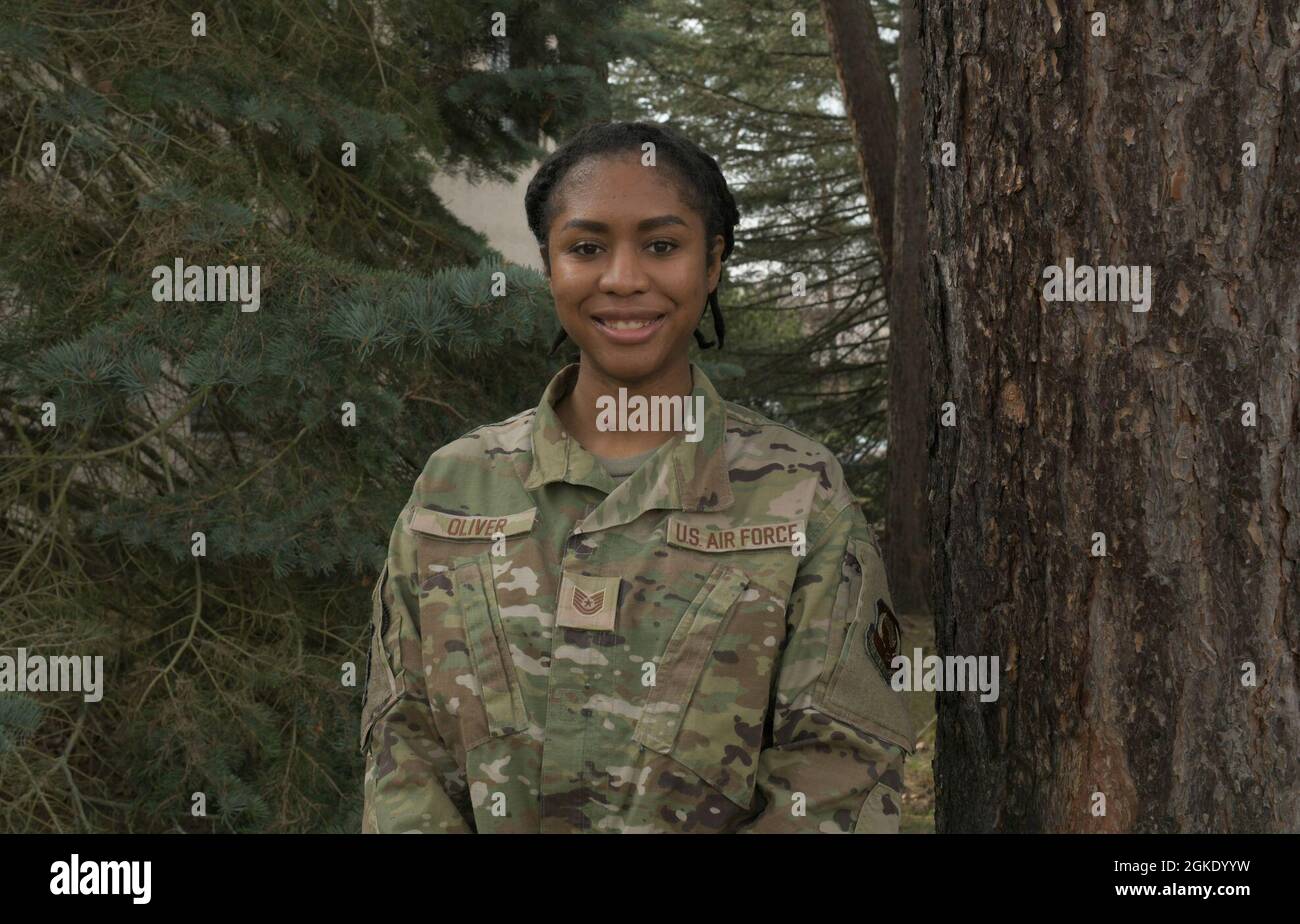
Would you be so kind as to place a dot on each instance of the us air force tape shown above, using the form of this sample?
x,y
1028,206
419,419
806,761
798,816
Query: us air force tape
x,y
883,638
683,533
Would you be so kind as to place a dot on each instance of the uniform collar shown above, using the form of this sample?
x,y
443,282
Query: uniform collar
x,y
678,476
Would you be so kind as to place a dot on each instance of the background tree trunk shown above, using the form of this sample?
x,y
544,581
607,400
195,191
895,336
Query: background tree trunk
x,y
886,136
907,550
1121,674
869,103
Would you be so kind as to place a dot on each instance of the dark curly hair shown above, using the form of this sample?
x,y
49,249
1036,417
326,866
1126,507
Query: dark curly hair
x,y
696,173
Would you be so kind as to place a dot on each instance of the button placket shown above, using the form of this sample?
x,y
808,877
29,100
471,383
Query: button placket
x,y
568,689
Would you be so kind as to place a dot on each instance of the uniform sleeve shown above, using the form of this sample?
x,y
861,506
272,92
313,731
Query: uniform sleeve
x,y
837,734
410,775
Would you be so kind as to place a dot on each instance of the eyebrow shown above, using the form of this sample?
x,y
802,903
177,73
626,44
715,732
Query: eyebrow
x,y
648,224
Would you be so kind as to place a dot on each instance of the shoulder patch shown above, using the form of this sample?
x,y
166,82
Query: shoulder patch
x,y
883,638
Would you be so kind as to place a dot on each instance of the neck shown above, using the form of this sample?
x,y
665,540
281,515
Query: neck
x,y
577,410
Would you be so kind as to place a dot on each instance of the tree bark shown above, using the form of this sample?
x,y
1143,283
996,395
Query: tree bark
x,y
907,553
1123,674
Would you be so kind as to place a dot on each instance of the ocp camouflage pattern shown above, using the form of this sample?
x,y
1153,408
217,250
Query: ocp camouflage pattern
x,y
733,691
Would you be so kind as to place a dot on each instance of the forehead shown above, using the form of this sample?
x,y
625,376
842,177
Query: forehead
x,y
617,188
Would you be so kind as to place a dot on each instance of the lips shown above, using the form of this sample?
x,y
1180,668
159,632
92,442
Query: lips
x,y
628,327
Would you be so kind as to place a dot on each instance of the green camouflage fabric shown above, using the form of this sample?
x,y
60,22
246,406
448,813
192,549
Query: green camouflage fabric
x,y
739,686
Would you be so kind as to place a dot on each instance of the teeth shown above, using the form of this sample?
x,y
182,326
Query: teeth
x,y
627,325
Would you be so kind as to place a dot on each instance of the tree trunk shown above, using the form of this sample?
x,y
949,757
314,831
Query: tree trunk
x,y
886,137
869,102
1120,675
907,551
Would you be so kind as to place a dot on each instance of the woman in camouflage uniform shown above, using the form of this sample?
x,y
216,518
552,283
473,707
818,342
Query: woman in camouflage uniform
x,y
584,625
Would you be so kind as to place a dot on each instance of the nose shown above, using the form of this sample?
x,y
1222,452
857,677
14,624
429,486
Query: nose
x,y
624,274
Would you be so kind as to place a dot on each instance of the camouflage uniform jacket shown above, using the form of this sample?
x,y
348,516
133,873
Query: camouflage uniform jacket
x,y
554,652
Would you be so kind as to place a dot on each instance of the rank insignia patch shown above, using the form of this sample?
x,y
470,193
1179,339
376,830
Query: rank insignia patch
x,y
587,601
587,604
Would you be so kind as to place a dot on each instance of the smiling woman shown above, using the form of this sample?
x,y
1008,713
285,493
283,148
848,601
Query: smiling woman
x,y
592,628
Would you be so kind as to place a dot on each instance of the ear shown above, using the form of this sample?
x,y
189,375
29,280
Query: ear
x,y
715,261
546,264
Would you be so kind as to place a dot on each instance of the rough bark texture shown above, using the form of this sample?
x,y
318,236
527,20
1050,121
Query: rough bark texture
x,y
1123,674
907,552
869,102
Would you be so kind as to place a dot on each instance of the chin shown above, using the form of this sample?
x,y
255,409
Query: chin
x,y
631,367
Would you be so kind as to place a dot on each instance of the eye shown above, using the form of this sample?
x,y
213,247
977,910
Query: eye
x,y
577,248
671,244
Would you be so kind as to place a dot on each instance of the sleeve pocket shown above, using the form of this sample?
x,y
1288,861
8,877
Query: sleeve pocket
x,y
857,691
380,688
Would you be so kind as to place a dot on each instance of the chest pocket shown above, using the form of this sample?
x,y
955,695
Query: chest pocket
x,y
710,697
469,670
